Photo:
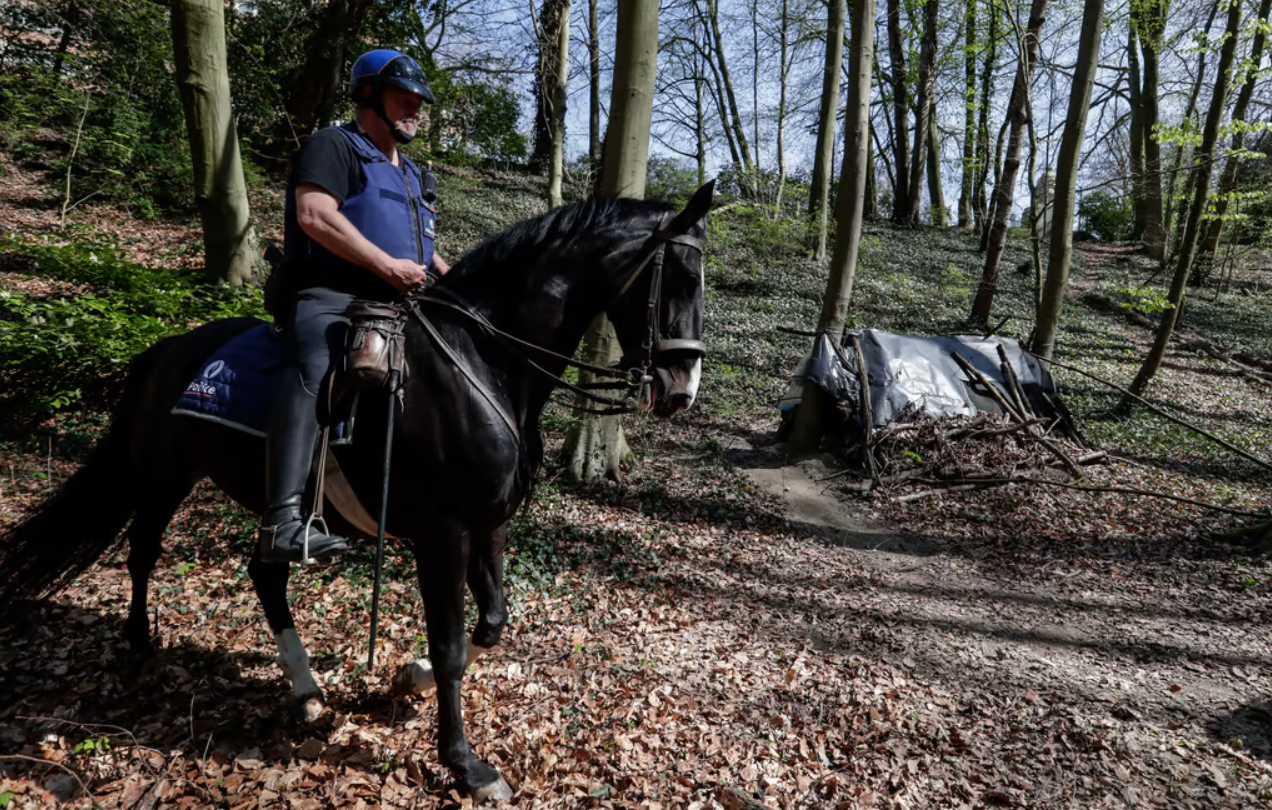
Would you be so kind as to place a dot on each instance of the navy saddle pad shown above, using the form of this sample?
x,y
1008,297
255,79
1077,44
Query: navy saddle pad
x,y
236,385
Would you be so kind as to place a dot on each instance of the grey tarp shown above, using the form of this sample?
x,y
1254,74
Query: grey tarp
x,y
912,376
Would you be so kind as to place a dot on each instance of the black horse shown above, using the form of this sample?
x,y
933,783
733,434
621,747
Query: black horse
x,y
466,447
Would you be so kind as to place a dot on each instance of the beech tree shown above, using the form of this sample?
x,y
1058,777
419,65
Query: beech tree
x,y
1057,281
816,407
594,446
198,40
1004,191
1202,160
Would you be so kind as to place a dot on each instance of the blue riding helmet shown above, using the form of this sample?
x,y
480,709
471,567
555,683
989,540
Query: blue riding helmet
x,y
386,67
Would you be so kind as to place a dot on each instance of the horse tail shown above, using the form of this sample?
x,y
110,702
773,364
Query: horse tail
x,y
70,530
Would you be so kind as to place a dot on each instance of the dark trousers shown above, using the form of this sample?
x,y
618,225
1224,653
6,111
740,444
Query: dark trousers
x,y
316,329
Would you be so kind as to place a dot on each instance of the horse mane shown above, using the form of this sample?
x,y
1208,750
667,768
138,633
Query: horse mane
x,y
510,251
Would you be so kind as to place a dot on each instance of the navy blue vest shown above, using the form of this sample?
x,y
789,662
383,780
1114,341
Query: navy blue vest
x,y
389,210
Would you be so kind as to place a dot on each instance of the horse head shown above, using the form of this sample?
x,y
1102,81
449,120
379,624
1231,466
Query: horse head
x,y
658,311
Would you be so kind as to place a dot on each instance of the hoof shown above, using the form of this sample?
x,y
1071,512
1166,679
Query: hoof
x,y
415,678
309,708
493,793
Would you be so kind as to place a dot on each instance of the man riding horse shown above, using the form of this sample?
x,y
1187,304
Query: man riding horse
x,y
360,223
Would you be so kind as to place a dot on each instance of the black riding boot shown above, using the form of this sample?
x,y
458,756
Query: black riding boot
x,y
293,432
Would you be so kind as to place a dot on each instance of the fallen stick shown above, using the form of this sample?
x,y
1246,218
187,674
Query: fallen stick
x,y
1017,391
791,330
737,799
1024,479
1050,444
1160,412
867,408
1000,431
914,496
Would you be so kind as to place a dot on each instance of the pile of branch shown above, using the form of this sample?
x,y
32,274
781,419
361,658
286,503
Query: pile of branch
x,y
928,457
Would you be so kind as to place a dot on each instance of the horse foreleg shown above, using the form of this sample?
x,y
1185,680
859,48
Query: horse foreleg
x,y
270,581
485,580
442,565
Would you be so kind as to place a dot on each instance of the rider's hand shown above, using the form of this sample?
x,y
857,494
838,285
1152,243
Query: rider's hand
x,y
404,274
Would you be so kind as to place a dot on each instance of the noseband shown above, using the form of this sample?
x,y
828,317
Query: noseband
x,y
636,380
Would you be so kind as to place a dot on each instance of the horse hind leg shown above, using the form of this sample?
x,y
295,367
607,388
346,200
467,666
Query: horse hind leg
x,y
270,581
145,545
485,581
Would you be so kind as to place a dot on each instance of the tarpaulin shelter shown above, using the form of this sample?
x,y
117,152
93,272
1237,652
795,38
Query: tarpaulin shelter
x,y
911,376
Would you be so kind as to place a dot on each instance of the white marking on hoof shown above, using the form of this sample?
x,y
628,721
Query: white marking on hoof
x,y
416,678
294,662
309,709
497,791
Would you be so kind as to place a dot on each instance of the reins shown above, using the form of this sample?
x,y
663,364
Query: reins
x,y
636,380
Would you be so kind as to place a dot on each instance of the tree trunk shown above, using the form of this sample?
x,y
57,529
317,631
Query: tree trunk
x,y
936,191
781,104
552,18
315,90
561,73
1061,248
1138,197
1201,191
1149,20
69,20
595,446
594,87
965,216
900,113
198,39
870,209
922,113
700,129
824,153
755,87
979,203
1174,211
1228,180
815,408
739,132
1006,188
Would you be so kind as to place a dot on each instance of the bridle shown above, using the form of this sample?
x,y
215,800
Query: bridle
x,y
636,380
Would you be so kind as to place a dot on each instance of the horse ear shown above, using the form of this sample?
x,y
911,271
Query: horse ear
x,y
695,212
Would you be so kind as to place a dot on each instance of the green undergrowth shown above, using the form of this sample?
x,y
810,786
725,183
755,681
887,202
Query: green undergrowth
x,y
55,348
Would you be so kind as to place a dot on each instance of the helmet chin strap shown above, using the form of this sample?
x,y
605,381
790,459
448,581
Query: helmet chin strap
x,y
377,106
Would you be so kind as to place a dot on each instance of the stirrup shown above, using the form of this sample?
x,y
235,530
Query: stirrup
x,y
304,543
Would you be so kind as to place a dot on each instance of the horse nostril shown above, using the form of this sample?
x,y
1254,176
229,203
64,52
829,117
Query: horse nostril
x,y
679,400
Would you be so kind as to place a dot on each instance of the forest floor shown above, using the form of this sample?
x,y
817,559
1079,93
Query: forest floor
x,y
726,617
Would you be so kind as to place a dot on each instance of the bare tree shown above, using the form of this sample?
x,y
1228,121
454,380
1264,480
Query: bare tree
x,y
969,116
595,446
900,112
554,16
922,114
824,153
1202,159
936,188
594,87
1231,169
1004,192
1057,282
1148,18
556,118
811,419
